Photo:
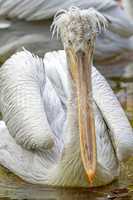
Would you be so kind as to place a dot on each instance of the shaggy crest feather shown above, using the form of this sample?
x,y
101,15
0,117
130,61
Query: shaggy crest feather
x,y
87,21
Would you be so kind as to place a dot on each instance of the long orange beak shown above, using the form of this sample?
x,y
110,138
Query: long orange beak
x,y
80,66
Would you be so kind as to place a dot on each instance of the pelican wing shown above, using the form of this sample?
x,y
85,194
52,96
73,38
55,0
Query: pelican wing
x,y
29,102
121,132
33,113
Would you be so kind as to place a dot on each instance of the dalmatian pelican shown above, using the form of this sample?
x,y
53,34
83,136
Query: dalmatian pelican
x,y
62,124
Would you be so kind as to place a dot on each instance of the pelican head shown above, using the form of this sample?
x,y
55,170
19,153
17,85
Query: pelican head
x,y
78,29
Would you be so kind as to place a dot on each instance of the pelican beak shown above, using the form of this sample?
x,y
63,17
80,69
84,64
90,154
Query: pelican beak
x,y
80,67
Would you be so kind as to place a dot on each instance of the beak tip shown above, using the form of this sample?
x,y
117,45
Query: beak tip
x,y
91,175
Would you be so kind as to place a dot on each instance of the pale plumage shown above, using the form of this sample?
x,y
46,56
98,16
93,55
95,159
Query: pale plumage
x,y
38,103
35,167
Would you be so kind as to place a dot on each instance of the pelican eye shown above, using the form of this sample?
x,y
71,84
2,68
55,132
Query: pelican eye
x,y
89,40
69,42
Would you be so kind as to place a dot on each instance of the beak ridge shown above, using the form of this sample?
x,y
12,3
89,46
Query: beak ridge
x,y
80,64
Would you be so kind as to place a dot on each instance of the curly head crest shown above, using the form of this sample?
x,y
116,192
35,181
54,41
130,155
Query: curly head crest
x,y
81,22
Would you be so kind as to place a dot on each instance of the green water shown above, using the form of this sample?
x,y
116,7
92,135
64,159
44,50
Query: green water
x,y
12,188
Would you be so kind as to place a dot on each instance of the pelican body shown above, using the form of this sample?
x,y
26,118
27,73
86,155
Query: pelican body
x,y
63,125
112,47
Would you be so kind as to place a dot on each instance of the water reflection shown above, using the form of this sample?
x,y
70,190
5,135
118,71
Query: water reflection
x,y
41,193
15,189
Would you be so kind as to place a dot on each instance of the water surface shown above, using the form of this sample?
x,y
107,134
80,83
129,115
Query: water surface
x,y
12,188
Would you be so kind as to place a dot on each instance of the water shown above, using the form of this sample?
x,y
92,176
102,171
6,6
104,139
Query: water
x,y
12,188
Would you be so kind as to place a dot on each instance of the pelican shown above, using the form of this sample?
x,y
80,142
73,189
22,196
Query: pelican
x,y
113,46
62,124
